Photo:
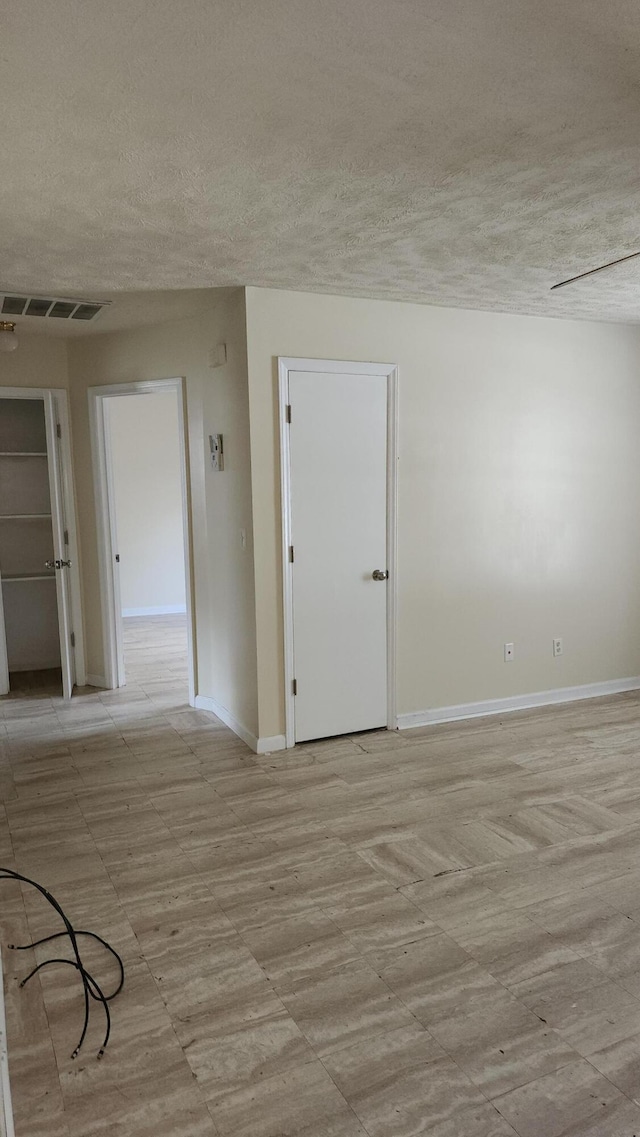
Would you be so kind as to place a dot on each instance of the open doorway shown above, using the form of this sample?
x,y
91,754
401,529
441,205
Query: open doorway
x,y
141,493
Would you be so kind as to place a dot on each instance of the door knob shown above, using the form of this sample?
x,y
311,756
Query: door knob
x,y
57,564
380,574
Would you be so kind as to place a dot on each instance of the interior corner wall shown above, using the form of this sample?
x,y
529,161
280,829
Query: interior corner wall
x,y
519,492
216,402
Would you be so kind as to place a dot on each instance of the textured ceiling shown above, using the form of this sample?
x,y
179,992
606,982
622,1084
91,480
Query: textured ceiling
x,y
465,152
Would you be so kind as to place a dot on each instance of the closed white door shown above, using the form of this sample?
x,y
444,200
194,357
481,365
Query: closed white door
x,y
338,504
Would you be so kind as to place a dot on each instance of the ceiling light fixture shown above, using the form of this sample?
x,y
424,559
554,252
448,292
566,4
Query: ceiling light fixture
x,y
8,337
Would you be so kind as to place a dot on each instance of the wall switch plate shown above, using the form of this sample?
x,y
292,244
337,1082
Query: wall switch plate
x,y
557,645
509,652
218,355
217,453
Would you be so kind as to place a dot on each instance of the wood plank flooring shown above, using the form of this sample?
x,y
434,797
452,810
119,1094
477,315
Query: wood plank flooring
x,y
387,935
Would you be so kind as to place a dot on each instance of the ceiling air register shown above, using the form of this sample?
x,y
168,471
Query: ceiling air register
x,y
50,307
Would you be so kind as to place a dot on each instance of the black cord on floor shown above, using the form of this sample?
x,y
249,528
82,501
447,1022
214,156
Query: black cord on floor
x,y
91,988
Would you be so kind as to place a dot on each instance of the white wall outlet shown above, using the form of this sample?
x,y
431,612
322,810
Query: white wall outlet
x,y
557,645
509,652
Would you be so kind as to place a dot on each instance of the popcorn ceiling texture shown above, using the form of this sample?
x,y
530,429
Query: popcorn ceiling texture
x,y
456,152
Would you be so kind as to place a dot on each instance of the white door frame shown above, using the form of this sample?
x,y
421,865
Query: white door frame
x,y
105,515
60,400
6,1112
341,367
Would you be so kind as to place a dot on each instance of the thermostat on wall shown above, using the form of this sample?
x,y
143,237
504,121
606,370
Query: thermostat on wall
x,y
217,455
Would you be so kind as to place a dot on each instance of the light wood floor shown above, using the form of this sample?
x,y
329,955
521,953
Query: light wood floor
x,y
387,935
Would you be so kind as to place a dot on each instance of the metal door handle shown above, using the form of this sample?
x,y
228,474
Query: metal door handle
x,y
57,564
380,574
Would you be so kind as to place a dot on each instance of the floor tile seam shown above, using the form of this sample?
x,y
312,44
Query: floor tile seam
x,y
377,1033
548,1027
613,977
45,1010
625,1096
147,802
192,1079
304,978
429,934
560,940
418,880
311,1060
543,1022
423,1028
188,853
312,909
350,1107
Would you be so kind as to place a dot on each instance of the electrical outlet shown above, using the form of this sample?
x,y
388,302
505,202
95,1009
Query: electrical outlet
x,y
509,652
557,646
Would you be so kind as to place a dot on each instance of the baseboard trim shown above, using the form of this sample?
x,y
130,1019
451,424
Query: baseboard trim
x,y
517,703
37,665
96,681
258,745
6,1111
159,610
270,743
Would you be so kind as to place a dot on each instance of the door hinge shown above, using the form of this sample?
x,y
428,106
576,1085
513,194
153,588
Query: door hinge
x,y
291,556
73,639
288,412
118,558
66,536
58,430
294,686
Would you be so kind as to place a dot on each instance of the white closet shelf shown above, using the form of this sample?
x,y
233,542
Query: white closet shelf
x,y
22,516
23,454
27,576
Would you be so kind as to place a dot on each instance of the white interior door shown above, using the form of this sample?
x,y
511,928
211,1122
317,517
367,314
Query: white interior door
x,y
115,555
338,503
4,661
61,548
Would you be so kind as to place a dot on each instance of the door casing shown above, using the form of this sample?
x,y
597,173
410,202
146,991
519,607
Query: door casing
x,y
105,515
342,367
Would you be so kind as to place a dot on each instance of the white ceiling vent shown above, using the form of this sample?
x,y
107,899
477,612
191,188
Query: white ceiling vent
x,y
50,307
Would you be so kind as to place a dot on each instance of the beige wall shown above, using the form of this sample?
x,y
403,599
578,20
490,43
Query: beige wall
x,y
39,361
216,401
519,492
144,438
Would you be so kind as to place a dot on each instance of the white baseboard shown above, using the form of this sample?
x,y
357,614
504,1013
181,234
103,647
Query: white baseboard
x,y
258,745
159,610
6,1111
270,743
517,703
96,681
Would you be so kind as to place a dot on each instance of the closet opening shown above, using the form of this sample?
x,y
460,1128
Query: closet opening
x,y
40,623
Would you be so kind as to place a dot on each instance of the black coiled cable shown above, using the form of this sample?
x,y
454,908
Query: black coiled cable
x,y
91,988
